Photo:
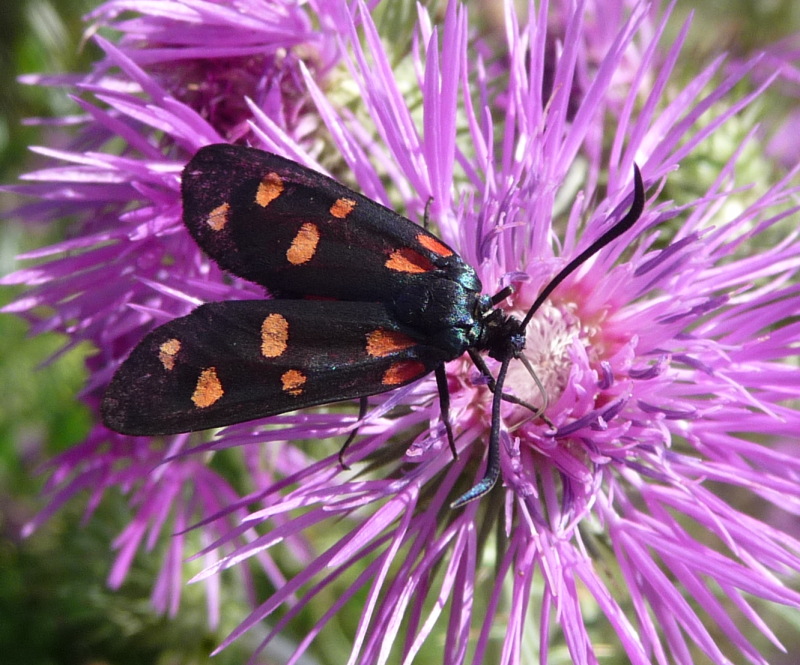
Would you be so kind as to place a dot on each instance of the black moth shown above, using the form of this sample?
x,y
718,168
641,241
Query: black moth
x,y
364,301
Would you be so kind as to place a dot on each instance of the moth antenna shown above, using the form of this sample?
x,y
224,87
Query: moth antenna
x,y
492,473
614,232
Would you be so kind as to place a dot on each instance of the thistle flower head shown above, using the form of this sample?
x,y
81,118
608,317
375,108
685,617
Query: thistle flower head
x,y
666,363
181,75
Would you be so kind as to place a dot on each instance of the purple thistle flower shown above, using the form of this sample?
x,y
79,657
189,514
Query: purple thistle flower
x,y
125,267
213,57
783,58
668,362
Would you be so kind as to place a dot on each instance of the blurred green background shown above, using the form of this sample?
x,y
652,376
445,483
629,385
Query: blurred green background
x,y
54,604
55,607
38,411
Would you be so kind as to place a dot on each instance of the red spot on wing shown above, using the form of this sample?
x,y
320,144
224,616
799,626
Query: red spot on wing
x,y
168,352
433,245
274,336
408,261
402,372
341,208
269,189
208,390
381,342
218,218
293,381
304,244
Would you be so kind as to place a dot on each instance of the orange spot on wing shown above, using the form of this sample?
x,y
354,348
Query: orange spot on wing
x,y
167,353
293,381
341,208
432,244
218,217
304,244
274,336
407,260
269,189
208,389
381,342
403,372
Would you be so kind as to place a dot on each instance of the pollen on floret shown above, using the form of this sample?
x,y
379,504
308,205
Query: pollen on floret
x,y
549,338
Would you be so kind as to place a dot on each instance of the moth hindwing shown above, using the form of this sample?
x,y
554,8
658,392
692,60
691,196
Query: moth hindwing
x,y
228,362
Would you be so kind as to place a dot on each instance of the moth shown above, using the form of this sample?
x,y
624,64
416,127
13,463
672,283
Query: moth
x,y
363,301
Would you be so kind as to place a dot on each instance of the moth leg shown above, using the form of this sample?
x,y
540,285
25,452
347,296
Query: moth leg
x,y
484,370
362,411
538,412
444,401
492,473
